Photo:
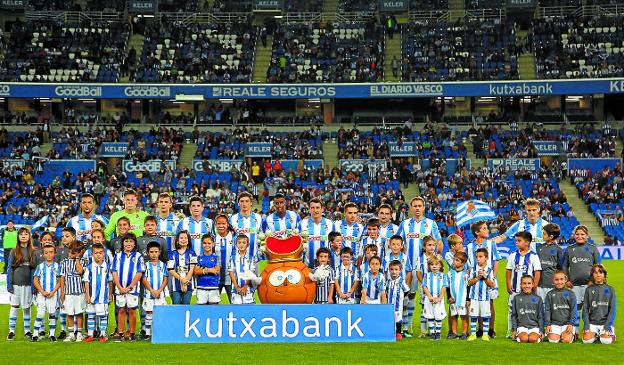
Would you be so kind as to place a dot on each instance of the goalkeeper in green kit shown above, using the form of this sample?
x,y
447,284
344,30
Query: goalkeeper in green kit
x,y
136,217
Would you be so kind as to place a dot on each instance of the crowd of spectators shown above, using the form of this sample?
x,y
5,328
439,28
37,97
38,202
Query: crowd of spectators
x,y
71,143
327,52
472,49
181,52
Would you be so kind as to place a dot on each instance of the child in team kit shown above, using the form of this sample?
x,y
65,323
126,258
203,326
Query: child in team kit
x,y
150,225
181,265
578,261
21,266
98,282
362,264
397,288
395,253
224,246
520,263
550,255
373,238
560,312
97,237
324,276
599,311
123,227
527,321
207,273
47,287
455,244
481,233
128,268
347,279
481,279
72,290
240,264
458,294
335,244
434,288
374,283
422,268
154,282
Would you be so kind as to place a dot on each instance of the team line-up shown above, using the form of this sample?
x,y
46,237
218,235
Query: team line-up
x,y
135,260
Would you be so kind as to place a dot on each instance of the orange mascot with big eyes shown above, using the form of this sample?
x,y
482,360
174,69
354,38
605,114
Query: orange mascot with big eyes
x,y
286,279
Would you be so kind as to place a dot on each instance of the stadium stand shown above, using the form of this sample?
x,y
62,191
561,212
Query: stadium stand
x,y
331,52
474,49
217,53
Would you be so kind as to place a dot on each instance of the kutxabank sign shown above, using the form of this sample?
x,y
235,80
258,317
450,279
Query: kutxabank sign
x,y
309,91
273,323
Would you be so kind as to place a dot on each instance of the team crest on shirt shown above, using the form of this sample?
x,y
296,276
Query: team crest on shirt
x,y
565,295
552,251
586,249
533,300
606,291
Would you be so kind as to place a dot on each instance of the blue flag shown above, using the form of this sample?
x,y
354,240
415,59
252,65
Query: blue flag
x,y
471,211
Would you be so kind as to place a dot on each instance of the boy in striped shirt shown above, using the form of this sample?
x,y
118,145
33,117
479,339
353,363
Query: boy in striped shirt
x,y
396,288
374,283
458,290
373,238
325,277
154,281
520,263
240,263
347,279
434,287
47,285
128,267
98,282
481,279
72,289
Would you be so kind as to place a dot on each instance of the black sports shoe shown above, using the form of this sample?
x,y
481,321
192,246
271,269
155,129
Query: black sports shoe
x,y
34,339
147,337
463,337
28,335
96,333
52,339
479,333
62,335
42,334
492,333
132,337
451,336
11,336
118,337
142,334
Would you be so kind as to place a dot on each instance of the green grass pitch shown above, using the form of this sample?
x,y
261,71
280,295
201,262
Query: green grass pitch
x,y
408,351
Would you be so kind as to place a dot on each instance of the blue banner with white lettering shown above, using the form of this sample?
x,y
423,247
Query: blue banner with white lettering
x,y
594,164
273,323
288,165
148,166
548,148
514,164
311,91
259,149
404,149
216,165
113,149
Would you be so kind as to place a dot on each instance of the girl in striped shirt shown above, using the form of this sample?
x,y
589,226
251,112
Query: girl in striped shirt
x,y
373,283
47,285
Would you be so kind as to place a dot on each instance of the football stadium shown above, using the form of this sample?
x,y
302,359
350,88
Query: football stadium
x,y
289,181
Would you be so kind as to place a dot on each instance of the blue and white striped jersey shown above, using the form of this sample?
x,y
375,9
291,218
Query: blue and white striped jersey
x,y
480,290
489,245
239,264
525,225
281,227
155,275
413,233
249,226
388,231
196,229
98,277
380,242
317,237
435,282
127,266
108,256
396,289
166,228
458,286
346,276
224,247
72,279
48,275
520,265
406,264
323,286
374,285
82,225
181,263
351,236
